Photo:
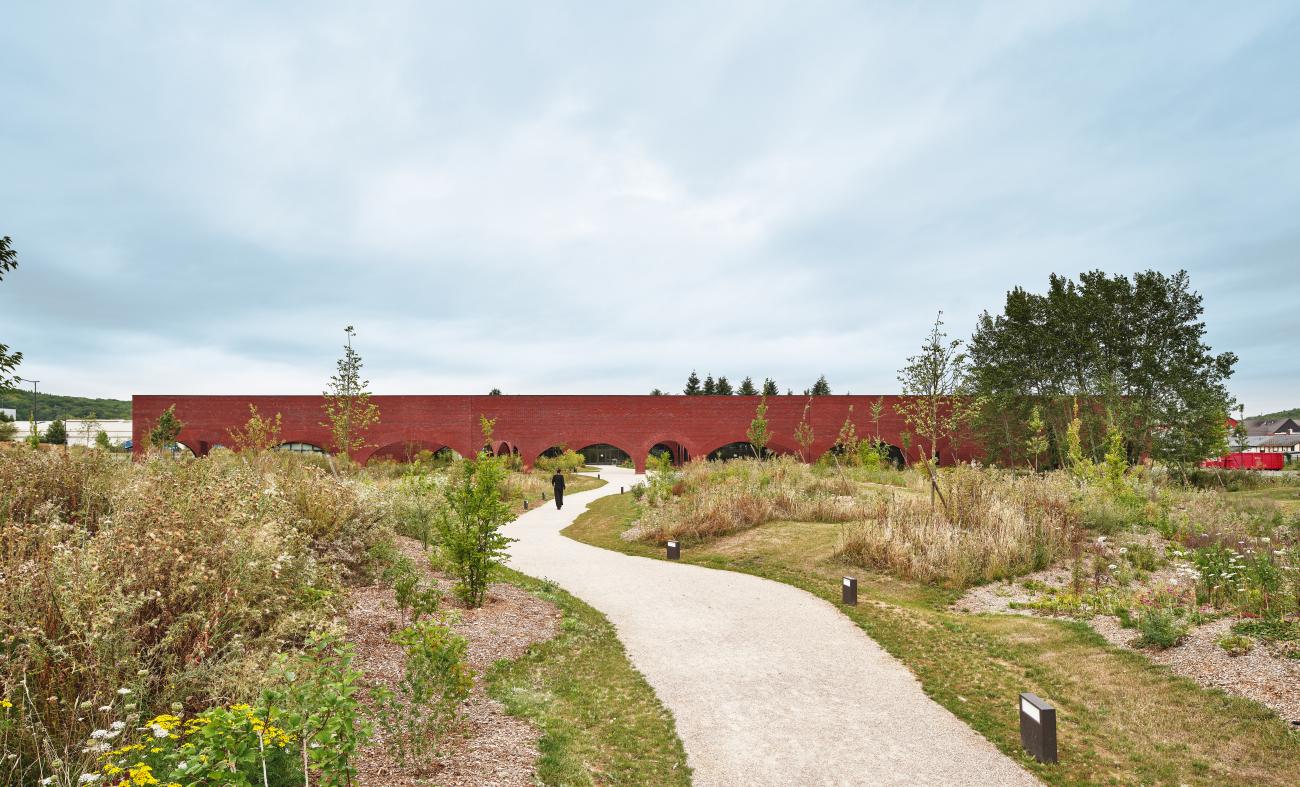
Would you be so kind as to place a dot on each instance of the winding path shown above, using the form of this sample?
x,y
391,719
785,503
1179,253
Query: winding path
x,y
769,685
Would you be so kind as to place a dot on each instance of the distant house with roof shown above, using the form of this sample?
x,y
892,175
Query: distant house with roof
x,y
1273,436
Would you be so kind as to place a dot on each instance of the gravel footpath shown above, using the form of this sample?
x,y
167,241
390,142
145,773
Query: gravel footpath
x,y
769,685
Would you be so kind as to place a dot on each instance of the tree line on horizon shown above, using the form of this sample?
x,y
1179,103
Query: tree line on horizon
x,y
723,387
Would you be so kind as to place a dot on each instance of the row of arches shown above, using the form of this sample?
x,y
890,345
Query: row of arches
x,y
593,453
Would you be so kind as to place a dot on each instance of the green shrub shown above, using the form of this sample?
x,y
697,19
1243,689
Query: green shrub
x,y
1271,630
1160,628
567,462
435,681
1236,645
469,539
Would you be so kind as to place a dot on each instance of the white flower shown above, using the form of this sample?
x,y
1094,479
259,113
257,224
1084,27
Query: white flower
x,y
1112,566
117,726
124,691
105,708
99,735
47,780
88,778
1123,550
158,731
1101,539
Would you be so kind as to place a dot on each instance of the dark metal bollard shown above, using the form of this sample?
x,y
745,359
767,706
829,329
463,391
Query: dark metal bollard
x,y
543,497
849,591
1038,727
525,504
674,550
620,490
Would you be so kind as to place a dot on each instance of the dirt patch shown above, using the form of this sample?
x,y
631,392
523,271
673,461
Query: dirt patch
x,y
491,747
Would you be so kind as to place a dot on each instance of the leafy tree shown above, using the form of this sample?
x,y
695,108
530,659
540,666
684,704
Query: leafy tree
x,y
166,430
1128,348
724,387
769,387
348,409
931,382
803,433
89,427
747,387
470,540
1036,442
1240,436
877,412
8,361
710,387
7,428
757,433
494,392
486,427
656,392
821,387
692,385
259,433
102,442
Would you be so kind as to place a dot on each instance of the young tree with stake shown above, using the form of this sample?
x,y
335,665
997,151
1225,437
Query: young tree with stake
x,y
348,409
931,382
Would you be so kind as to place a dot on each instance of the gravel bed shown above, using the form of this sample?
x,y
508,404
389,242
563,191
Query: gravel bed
x,y
1264,675
490,747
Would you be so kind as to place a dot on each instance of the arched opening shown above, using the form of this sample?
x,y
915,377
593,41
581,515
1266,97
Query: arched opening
x,y
604,454
408,451
739,450
178,449
502,448
674,450
300,448
890,455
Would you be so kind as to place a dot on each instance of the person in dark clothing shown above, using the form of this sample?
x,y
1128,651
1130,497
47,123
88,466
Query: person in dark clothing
x,y
557,483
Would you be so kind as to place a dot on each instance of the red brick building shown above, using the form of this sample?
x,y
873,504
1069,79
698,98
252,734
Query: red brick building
x,y
686,426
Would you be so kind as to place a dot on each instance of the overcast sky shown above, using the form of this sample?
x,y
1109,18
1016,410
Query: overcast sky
x,y
578,197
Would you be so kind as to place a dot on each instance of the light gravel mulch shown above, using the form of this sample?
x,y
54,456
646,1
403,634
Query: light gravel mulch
x,y
490,747
1263,675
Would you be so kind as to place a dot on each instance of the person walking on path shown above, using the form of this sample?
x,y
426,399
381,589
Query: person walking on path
x,y
557,483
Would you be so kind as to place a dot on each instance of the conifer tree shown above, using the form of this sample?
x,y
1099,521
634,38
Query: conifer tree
x,y
692,385
769,387
724,387
747,387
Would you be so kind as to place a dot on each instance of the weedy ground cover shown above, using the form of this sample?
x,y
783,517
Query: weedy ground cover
x,y
165,582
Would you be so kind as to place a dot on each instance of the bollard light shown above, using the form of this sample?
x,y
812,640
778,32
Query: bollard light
x,y
543,497
620,490
525,504
674,551
849,591
1038,727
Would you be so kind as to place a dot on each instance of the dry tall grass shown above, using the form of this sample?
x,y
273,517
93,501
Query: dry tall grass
x,y
712,499
1000,525
178,580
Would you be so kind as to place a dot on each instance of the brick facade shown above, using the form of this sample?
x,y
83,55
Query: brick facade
x,y
532,424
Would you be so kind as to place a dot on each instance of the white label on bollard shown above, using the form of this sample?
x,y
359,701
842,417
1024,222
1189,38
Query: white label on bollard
x,y
1030,710
846,582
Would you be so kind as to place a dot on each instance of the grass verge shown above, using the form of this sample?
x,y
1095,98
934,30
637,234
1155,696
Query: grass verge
x,y
601,722
1122,719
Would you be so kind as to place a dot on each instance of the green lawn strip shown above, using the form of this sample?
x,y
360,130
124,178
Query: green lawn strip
x,y
1122,719
573,484
601,722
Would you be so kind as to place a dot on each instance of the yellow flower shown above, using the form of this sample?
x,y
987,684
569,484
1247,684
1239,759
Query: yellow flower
x,y
6,704
141,774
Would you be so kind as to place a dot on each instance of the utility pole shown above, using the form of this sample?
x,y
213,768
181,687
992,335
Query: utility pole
x,y
33,382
